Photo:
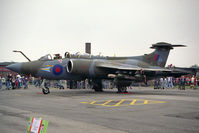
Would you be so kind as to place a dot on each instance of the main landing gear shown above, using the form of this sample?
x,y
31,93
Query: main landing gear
x,y
122,90
122,85
97,85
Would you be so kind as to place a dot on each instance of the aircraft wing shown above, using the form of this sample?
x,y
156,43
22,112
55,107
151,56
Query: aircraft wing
x,y
127,67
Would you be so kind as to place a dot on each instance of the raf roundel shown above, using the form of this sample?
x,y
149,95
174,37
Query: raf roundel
x,y
57,69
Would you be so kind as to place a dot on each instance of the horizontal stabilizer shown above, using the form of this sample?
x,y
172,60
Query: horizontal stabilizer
x,y
165,45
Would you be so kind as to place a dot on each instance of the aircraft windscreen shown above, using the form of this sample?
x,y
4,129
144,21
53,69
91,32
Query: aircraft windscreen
x,y
46,57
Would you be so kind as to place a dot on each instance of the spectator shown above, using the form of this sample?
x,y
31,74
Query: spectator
x,y
170,82
3,80
157,83
0,82
32,79
26,82
38,82
188,80
192,85
165,83
7,78
17,82
177,81
86,84
13,82
161,83
182,83
23,81
195,82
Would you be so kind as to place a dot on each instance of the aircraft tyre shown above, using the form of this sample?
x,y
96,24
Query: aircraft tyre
x,y
45,90
61,87
122,90
97,88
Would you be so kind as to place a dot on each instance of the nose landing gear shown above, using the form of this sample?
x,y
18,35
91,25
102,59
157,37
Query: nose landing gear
x,y
45,88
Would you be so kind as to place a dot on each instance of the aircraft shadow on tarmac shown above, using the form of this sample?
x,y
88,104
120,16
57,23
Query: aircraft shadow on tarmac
x,y
109,92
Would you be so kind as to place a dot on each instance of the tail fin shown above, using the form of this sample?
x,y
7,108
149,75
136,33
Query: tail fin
x,y
160,55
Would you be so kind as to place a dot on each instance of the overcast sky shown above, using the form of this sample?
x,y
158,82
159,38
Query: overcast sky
x,y
121,27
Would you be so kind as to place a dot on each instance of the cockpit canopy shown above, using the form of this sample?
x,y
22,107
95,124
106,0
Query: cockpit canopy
x,y
77,55
46,57
68,55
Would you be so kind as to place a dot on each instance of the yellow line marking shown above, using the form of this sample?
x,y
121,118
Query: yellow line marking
x,y
133,102
154,102
92,102
83,102
121,101
107,102
146,102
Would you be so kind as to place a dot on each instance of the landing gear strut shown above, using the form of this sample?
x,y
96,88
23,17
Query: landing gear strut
x,y
122,90
45,88
122,84
97,85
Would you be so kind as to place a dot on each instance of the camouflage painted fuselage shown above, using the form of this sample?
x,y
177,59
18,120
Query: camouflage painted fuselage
x,y
96,67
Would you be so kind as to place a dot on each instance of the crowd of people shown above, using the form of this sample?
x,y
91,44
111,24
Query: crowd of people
x,y
14,81
170,82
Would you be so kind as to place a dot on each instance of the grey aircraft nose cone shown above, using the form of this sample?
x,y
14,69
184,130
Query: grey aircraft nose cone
x,y
15,67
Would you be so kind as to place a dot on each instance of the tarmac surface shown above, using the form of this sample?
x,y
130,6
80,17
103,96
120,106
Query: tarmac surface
x,y
78,111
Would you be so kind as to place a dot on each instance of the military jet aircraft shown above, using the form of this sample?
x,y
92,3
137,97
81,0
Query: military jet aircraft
x,y
122,70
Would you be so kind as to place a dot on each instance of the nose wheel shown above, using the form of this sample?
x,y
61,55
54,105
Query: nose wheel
x,y
45,89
